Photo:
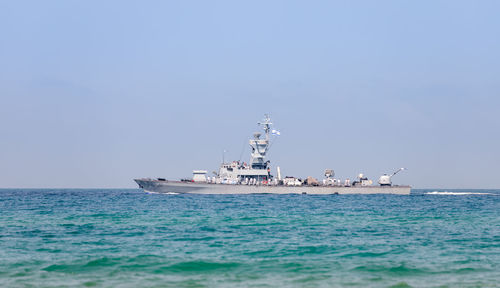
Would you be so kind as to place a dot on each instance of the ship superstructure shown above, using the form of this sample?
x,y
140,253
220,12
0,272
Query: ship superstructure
x,y
258,169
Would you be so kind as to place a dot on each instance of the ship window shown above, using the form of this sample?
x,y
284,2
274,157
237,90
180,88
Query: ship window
x,y
229,169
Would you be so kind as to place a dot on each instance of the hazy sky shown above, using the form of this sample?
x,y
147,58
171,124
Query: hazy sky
x,y
96,93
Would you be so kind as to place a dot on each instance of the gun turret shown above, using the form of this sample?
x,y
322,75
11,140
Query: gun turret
x,y
385,180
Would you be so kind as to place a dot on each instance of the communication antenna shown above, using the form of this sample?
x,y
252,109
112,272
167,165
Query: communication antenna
x,y
223,155
267,125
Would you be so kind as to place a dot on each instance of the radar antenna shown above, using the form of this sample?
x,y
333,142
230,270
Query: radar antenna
x,y
266,123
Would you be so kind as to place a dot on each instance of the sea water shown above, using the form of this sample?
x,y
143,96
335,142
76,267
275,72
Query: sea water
x,y
128,238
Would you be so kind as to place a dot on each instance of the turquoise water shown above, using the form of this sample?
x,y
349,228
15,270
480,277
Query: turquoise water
x,y
127,238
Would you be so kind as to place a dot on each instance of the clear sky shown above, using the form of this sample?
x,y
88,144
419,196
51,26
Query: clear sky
x,y
96,93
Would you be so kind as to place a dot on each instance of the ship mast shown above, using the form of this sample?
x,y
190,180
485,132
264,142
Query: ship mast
x,y
266,124
260,146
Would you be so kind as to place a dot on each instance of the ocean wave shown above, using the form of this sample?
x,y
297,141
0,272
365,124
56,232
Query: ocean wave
x,y
199,266
89,266
457,193
400,270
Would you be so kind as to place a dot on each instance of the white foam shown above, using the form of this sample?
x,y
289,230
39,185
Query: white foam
x,y
167,193
151,192
457,193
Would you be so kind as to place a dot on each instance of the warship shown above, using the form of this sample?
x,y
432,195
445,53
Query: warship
x,y
255,177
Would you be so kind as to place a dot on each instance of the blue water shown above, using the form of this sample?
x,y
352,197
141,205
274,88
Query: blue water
x,y
128,238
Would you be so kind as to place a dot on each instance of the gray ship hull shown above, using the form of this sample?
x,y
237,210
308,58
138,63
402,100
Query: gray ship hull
x,y
158,186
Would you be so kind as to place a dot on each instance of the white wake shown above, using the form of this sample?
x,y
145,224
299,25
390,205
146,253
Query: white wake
x,y
457,193
166,193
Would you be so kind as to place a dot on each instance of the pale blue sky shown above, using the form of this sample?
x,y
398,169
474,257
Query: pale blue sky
x,y
95,93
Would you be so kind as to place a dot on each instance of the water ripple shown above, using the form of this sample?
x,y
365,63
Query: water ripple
x,y
129,238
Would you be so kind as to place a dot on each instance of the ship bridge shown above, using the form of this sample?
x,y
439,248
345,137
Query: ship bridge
x,y
258,168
